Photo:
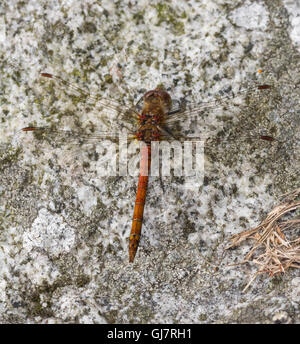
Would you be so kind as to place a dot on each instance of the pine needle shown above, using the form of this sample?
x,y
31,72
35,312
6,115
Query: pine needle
x,y
276,244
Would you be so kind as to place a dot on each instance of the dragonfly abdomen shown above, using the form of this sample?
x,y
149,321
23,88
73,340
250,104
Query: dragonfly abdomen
x,y
137,220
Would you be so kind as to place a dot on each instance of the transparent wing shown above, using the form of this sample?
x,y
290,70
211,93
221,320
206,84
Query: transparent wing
x,y
117,116
61,136
75,155
73,142
194,110
105,102
216,120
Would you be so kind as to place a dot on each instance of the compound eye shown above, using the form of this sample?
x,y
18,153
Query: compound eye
x,y
149,94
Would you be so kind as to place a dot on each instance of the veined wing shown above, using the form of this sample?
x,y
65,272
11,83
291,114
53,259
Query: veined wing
x,y
123,117
72,137
105,102
218,143
192,110
80,154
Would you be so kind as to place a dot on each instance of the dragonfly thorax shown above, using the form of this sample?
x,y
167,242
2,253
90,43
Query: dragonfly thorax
x,y
149,131
151,117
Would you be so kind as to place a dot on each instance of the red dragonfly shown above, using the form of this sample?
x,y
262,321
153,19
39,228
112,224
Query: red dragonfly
x,y
152,121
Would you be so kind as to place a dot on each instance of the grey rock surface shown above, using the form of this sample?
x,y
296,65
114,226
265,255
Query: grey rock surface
x,y
64,229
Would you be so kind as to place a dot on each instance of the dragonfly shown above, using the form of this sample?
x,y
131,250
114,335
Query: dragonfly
x,y
154,118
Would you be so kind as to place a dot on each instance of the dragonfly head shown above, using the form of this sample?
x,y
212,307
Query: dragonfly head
x,y
158,98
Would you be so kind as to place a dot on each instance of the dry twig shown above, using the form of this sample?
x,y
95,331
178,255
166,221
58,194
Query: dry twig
x,y
278,251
